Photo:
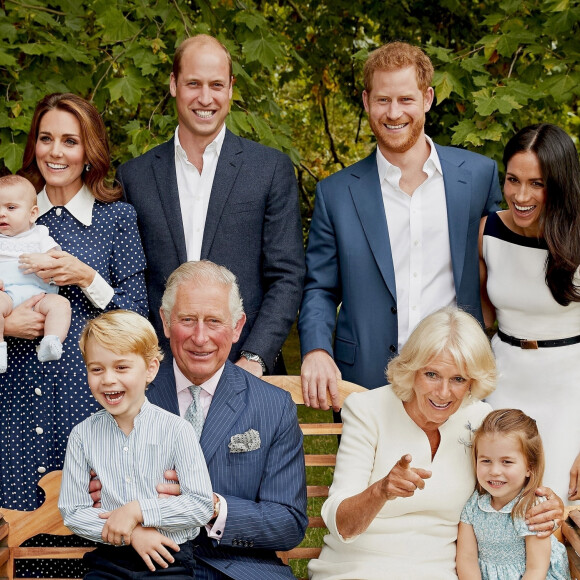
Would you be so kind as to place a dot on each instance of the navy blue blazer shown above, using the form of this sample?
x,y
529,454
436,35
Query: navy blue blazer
x,y
265,490
252,227
349,261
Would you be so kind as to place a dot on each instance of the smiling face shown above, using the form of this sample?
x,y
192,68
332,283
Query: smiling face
x,y
60,154
438,392
525,193
118,381
202,91
200,329
501,467
396,108
18,209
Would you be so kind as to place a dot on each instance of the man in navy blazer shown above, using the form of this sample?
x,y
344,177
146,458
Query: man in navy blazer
x,y
393,237
209,194
251,439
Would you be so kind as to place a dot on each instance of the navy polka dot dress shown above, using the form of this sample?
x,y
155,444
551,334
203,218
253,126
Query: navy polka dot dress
x,y
41,402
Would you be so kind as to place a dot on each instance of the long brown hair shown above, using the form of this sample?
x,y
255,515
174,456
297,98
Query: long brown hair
x,y
516,424
94,139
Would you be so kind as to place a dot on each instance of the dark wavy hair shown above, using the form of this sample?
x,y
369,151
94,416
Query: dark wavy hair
x,y
560,219
94,139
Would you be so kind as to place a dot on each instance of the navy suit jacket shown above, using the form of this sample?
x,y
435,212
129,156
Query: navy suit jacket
x,y
349,261
252,227
265,490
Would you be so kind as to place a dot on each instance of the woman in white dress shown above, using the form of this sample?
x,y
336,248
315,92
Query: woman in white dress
x,y
403,470
529,257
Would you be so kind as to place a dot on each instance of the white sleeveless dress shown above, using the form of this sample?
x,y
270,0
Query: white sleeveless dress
x,y
544,383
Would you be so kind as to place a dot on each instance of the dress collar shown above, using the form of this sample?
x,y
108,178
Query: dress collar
x,y
484,503
80,206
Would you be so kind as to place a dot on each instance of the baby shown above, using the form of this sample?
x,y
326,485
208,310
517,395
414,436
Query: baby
x,y
19,235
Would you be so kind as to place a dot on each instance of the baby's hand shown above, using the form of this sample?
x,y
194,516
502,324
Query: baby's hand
x,y
152,547
32,263
1,285
121,523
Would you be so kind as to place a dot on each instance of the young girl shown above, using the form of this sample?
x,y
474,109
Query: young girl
x,y
494,541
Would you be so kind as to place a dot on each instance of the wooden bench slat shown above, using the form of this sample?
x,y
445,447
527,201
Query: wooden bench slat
x,y
321,428
317,490
37,552
302,553
4,555
320,460
316,522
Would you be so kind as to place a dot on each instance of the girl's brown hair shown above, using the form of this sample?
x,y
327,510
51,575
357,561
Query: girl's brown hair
x,y
94,139
513,423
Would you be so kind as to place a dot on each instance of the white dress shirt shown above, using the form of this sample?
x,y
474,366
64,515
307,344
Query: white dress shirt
x,y
194,191
184,399
81,208
419,237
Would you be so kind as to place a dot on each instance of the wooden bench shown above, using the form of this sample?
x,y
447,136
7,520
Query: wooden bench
x,y
571,538
17,526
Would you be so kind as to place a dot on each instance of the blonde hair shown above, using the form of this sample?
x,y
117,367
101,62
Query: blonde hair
x,y
517,425
17,181
395,56
123,332
196,274
447,331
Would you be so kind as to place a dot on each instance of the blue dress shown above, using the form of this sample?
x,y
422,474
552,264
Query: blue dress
x,y
501,541
41,402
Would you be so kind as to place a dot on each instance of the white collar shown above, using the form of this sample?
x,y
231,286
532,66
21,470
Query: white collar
x,y
215,145
80,206
182,382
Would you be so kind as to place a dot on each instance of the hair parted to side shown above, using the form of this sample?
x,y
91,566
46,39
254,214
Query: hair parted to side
x,y
17,181
123,332
560,220
197,274
94,139
447,331
395,56
516,424
200,40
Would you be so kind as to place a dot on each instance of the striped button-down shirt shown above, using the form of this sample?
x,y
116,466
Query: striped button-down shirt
x,y
130,467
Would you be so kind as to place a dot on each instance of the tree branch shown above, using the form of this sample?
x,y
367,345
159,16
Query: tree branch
x,y
327,130
35,7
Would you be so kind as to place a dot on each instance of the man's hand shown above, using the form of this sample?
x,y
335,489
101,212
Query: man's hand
x,y
152,547
95,490
574,488
319,373
253,367
24,321
169,489
547,516
121,523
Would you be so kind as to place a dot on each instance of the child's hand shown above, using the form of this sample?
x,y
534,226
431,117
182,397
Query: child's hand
x,y
32,263
121,523
152,547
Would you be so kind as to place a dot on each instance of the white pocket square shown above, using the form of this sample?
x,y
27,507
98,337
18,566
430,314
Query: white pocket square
x,y
244,442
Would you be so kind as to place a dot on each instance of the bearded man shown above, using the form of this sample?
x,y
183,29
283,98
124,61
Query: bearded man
x,y
393,237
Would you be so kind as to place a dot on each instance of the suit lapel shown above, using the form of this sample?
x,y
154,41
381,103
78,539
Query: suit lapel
x,y
225,408
229,163
367,197
458,189
162,391
166,179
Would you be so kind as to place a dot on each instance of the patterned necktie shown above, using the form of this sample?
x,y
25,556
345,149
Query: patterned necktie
x,y
194,413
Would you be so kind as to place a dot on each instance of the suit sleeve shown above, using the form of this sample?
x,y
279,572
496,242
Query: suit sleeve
x,y
282,265
494,196
277,519
322,288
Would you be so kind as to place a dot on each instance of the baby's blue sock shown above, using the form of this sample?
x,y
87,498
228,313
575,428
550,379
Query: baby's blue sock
x,y
50,348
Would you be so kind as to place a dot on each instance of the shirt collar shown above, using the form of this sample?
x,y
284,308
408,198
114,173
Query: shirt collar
x,y
80,206
182,382
392,173
215,145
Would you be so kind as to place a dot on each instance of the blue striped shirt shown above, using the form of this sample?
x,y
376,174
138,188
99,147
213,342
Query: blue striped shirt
x,y
130,467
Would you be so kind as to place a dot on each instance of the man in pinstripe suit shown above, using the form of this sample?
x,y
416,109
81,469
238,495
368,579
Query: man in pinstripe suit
x,y
250,438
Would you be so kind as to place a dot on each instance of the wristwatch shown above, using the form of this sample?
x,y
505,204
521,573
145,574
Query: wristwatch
x,y
251,356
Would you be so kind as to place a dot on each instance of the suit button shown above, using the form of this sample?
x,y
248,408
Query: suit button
x,y
393,310
393,348
234,542
251,543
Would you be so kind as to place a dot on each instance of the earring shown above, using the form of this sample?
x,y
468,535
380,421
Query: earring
x,y
87,167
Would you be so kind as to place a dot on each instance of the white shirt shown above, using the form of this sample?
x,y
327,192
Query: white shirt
x,y
419,237
81,208
194,191
184,399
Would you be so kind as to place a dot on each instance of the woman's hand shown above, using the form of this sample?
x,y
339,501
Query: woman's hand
x,y
544,518
574,489
24,321
403,480
58,267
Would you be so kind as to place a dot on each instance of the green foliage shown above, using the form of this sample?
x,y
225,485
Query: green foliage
x,y
500,65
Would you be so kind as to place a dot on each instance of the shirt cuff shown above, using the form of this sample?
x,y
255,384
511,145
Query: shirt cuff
x,y
151,512
99,292
216,530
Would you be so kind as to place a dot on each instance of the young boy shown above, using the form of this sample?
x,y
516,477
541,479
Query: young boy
x,y
129,444
20,235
